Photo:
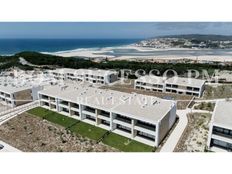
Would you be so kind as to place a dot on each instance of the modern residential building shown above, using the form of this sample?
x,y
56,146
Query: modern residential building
x,y
178,85
15,91
94,76
220,133
15,94
143,118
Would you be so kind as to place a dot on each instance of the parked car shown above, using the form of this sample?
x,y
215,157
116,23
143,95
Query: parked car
x,y
1,146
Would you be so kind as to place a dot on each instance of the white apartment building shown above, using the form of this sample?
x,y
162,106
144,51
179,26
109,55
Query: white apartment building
x,y
94,76
178,85
220,132
18,90
14,94
143,118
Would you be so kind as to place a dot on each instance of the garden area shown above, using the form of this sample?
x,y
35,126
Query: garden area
x,y
92,132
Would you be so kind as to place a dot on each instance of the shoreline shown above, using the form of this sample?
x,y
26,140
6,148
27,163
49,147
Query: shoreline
x,y
100,54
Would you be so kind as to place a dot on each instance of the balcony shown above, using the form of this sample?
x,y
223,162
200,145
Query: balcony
x,y
74,107
227,133
89,111
122,121
145,128
53,102
90,118
64,104
123,128
75,114
145,140
222,138
104,114
100,116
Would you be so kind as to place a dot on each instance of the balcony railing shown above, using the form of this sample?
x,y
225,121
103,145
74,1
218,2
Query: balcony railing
x,y
149,127
125,120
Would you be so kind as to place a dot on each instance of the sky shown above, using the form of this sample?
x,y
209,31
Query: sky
x,y
109,30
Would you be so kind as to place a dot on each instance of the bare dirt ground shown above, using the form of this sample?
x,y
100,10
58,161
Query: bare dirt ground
x,y
195,136
182,100
221,91
32,134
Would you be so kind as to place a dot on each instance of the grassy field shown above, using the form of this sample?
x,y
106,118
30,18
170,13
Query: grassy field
x,y
53,117
88,130
126,144
92,132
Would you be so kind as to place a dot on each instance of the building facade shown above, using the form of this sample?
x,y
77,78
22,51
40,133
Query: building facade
x,y
143,118
220,132
15,91
94,76
177,85
16,97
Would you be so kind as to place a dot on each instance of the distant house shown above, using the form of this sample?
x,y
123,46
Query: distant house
x,y
94,76
178,85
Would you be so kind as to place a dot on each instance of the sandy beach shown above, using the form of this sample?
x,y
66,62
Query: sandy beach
x,y
102,53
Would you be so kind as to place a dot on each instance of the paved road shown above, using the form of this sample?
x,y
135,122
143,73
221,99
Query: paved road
x,y
8,148
173,139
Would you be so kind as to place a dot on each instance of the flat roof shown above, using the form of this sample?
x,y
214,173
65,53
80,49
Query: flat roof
x,y
186,81
223,114
84,71
15,84
173,80
152,79
142,107
146,108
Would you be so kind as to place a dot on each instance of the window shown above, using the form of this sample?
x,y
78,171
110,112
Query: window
x,y
196,89
175,86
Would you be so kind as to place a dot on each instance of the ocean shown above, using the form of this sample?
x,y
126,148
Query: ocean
x,y
12,46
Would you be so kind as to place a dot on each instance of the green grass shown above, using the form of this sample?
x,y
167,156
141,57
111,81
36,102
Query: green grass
x,y
95,133
80,128
53,117
88,130
41,112
60,119
126,144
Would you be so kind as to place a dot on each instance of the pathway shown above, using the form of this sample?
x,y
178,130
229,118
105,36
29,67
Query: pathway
x,y
11,113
